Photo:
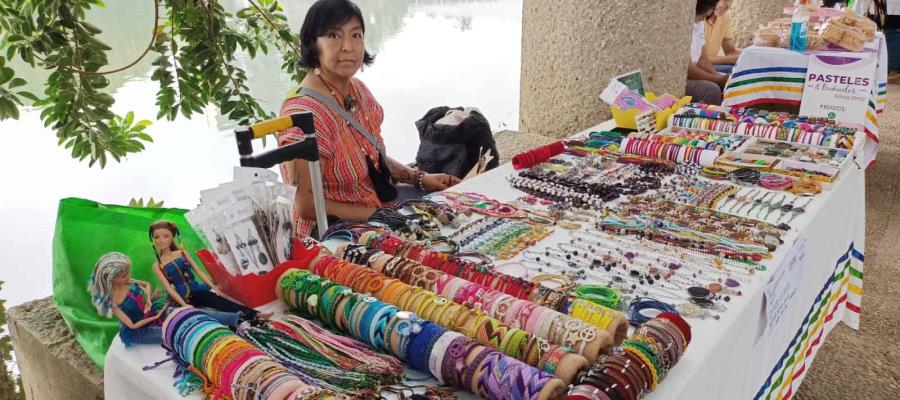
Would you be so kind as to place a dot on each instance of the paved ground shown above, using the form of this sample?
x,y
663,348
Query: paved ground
x,y
863,364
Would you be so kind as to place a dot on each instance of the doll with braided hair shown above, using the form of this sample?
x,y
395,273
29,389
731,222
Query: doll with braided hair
x,y
139,310
186,283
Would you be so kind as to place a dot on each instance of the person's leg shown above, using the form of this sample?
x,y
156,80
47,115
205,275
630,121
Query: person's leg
x,y
150,335
703,91
724,68
229,319
208,299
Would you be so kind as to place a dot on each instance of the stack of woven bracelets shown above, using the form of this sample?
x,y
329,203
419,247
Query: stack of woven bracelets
x,y
771,125
530,158
639,364
596,315
489,332
692,142
324,359
533,318
682,154
452,358
230,367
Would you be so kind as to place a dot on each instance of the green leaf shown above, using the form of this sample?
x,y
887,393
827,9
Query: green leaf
x,y
129,118
28,95
91,28
16,82
8,109
6,73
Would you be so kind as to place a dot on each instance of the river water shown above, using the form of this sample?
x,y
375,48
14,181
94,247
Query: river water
x,y
429,53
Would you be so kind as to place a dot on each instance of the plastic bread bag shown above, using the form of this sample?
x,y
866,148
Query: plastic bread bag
x,y
842,35
865,25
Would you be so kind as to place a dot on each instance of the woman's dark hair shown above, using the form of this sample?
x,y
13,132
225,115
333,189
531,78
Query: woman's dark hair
x,y
703,6
322,16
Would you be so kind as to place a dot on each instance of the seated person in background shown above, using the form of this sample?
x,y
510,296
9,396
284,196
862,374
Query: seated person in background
x,y
358,176
704,83
720,47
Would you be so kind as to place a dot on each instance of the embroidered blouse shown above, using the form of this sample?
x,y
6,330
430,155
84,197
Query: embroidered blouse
x,y
342,149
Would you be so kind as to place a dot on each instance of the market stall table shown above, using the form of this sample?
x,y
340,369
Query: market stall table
x,y
735,357
769,75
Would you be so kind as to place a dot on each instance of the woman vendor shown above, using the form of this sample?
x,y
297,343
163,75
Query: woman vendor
x,y
358,176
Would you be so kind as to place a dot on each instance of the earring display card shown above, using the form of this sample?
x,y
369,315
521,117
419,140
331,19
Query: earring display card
x,y
212,236
284,228
247,174
252,254
247,223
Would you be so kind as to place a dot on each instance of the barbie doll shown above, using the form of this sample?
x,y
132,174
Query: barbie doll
x,y
115,293
179,275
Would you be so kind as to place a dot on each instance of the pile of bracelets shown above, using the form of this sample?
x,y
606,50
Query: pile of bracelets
x,y
324,359
477,203
693,191
598,294
744,176
537,155
715,243
639,364
559,300
775,182
488,331
502,238
669,151
694,141
766,124
229,366
478,272
714,173
519,314
424,345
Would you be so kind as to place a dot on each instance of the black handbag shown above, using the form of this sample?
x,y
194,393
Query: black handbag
x,y
380,175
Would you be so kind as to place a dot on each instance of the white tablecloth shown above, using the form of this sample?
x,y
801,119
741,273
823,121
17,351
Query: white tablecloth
x,y
727,359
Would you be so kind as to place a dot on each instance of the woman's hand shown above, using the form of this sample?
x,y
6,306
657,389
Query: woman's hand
x,y
436,182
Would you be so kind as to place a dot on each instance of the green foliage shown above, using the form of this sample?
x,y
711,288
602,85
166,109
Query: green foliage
x,y
140,203
10,386
196,45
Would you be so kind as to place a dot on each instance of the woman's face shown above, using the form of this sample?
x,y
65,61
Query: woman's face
x,y
162,238
722,7
341,49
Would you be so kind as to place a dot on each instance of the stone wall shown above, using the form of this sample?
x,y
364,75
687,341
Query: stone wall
x,y
570,50
747,15
53,365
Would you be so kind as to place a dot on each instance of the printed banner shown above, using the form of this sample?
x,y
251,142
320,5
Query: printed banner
x,y
838,87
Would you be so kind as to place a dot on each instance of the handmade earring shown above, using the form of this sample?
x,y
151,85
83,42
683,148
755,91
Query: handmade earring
x,y
254,247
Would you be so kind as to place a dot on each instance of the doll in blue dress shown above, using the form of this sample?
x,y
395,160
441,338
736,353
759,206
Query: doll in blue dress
x,y
184,281
140,310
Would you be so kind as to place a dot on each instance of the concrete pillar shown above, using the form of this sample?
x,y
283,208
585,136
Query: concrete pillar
x,y
570,50
747,15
